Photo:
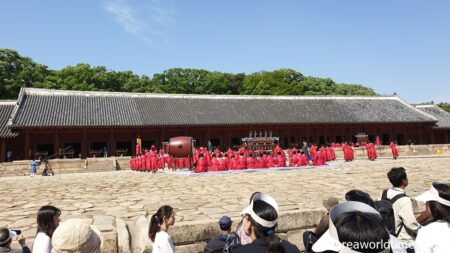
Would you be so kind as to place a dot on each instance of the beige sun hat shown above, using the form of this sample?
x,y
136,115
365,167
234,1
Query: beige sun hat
x,y
76,236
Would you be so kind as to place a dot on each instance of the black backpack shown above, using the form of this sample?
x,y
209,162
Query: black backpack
x,y
384,207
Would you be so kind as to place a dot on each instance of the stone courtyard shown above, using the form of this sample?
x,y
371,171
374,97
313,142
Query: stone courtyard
x,y
120,202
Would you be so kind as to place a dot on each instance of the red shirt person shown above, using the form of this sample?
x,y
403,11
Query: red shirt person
x,y
394,150
202,164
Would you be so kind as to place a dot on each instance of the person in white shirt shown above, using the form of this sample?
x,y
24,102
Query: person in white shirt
x,y
435,237
47,222
158,230
406,225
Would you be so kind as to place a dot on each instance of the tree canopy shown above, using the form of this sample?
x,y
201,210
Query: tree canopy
x,y
445,106
18,71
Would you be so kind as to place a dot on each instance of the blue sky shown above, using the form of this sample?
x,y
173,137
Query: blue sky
x,y
398,46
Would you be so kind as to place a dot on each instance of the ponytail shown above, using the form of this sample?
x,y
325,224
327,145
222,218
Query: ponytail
x,y
274,244
157,219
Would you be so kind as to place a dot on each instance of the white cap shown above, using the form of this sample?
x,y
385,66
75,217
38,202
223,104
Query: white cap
x,y
330,239
249,209
432,195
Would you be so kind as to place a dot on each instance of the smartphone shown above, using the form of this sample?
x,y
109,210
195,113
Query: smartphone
x,y
18,232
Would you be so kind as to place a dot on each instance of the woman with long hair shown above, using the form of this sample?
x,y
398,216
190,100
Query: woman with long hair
x,y
435,237
47,221
158,230
260,222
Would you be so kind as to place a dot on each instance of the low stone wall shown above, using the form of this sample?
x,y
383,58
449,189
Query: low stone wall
x,y
191,237
63,166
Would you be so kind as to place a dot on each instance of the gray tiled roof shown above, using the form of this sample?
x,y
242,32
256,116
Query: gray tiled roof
x,y
442,116
6,109
51,108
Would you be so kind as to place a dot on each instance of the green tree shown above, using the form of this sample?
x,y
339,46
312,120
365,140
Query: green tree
x,y
278,82
445,106
17,71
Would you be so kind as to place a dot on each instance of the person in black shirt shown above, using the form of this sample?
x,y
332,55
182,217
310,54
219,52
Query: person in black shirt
x,y
217,243
260,222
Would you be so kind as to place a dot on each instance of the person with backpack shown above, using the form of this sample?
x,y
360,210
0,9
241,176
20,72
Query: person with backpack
x,y
217,243
435,237
399,215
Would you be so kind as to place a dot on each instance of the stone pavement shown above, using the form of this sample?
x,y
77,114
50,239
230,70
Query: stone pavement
x,y
123,200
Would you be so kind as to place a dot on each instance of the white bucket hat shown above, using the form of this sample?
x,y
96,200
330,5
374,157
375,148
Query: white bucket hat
x,y
432,195
249,209
330,239
76,236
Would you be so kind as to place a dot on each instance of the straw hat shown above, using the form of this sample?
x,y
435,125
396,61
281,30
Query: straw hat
x,y
76,236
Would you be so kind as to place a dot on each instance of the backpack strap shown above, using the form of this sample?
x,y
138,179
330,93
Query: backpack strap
x,y
397,197
384,195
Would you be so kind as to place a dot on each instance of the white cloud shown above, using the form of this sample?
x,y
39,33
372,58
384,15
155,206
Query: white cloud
x,y
142,19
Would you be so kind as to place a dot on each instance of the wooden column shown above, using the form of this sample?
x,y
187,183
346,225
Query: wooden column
x,y
162,135
392,135
446,136
3,151
112,143
405,130
208,136
27,144
56,144
84,144
432,136
420,138
307,134
228,137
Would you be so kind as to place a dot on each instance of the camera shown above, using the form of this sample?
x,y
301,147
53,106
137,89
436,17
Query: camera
x,y
17,231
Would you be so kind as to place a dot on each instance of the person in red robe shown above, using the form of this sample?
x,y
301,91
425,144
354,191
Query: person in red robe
x,y
262,162
222,163
319,158
302,160
147,161
345,149
280,161
142,162
234,164
161,164
270,160
333,154
214,166
377,141
251,162
202,165
217,152
168,160
138,149
242,162
293,159
394,150
229,152
153,161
